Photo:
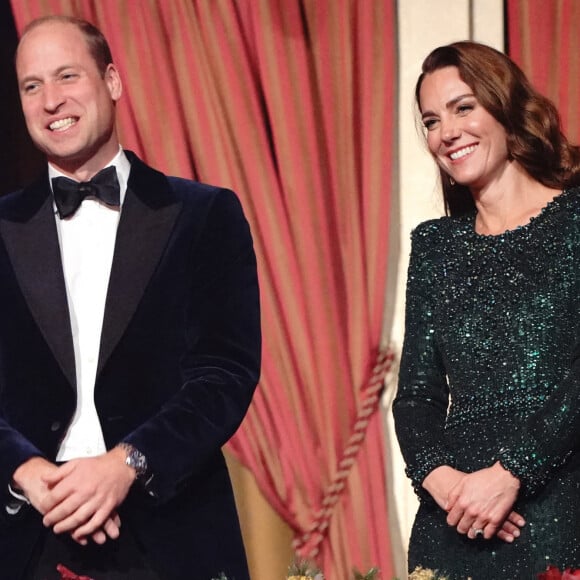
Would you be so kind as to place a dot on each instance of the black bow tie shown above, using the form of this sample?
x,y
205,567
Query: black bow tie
x,y
69,194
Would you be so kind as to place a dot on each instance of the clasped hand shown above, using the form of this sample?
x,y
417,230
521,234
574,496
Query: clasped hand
x,y
79,497
482,500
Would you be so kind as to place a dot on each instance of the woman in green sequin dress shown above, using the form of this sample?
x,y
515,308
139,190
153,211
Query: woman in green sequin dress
x,y
488,406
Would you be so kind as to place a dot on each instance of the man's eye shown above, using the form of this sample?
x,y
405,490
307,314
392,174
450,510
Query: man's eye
x,y
30,88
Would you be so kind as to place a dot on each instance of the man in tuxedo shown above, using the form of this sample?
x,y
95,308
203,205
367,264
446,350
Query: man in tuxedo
x,y
129,341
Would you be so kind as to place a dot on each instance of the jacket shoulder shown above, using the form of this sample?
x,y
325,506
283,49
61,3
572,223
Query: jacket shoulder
x,y
21,204
188,187
197,193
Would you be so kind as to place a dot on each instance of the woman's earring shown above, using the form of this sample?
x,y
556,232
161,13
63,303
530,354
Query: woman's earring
x,y
452,181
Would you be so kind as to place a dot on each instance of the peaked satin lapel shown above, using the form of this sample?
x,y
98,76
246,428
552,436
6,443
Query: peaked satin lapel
x,y
27,226
147,220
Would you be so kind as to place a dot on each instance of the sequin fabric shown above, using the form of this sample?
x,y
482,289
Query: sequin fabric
x,y
490,371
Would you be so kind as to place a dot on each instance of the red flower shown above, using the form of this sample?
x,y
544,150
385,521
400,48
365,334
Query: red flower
x,y
553,573
66,574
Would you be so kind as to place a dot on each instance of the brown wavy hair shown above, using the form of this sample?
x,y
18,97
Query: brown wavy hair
x,y
532,123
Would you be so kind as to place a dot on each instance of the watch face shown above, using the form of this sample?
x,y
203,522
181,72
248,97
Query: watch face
x,y
140,462
136,460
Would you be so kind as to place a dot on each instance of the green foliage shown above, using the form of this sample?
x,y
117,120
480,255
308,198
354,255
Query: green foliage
x,y
302,567
372,574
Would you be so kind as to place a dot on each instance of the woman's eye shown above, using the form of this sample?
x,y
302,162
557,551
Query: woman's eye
x,y
464,109
429,124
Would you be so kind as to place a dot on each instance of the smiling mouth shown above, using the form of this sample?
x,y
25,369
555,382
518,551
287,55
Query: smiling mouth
x,y
462,152
62,124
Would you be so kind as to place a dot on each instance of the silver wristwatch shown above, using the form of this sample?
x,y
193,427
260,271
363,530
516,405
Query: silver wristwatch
x,y
135,459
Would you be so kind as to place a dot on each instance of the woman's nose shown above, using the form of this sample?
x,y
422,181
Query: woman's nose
x,y
450,130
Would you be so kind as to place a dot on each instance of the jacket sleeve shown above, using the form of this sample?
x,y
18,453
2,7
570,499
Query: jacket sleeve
x,y
221,365
420,406
15,449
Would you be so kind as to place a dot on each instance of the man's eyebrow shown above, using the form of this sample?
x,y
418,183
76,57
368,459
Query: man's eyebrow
x,y
34,77
26,80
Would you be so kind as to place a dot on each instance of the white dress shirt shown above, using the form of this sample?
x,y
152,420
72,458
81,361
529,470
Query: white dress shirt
x,y
87,243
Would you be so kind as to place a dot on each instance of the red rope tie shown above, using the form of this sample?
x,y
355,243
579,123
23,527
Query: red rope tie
x,y
312,538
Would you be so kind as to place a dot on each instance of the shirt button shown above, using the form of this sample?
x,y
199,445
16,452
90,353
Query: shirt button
x,y
55,426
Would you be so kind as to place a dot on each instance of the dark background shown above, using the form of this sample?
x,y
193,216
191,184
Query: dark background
x,y
20,162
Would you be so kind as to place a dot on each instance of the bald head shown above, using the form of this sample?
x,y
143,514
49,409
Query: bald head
x,y
94,38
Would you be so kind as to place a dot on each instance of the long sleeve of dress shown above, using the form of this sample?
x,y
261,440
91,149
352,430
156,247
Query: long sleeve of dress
x,y
539,448
420,406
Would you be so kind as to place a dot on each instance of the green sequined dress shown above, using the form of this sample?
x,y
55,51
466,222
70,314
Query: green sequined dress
x,y
493,326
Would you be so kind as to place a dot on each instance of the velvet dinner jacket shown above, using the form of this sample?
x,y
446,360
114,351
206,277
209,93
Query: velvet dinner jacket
x,y
178,362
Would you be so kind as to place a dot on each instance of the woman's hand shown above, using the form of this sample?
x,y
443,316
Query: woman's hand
x,y
482,502
443,484
440,482
510,529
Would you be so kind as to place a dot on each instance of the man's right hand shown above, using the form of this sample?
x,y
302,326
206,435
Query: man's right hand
x,y
29,477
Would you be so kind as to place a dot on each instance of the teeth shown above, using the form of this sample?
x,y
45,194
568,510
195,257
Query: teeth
x,y
62,124
463,152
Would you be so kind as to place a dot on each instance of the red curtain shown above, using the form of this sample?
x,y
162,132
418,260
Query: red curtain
x,y
543,39
289,103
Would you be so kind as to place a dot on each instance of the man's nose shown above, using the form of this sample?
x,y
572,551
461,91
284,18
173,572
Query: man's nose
x,y
53,97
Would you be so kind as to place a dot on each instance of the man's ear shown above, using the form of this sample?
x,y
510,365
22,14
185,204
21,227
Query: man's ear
x,y
113,81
